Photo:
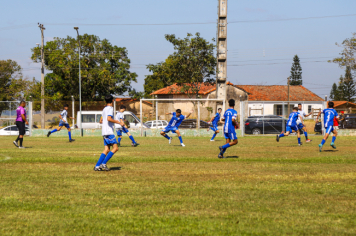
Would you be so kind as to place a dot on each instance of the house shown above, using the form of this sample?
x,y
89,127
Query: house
x,y
347,107
260,99
133,105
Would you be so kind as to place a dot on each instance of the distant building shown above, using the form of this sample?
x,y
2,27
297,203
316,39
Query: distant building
x,y
347,107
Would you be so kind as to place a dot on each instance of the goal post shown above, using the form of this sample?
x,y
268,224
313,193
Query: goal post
x,y
155,102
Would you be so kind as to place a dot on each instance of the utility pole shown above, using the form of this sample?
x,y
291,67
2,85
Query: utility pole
x,y
288,96
42,78
221,50
80,87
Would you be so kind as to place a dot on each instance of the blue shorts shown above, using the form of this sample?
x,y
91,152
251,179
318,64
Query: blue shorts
x,y
291,128
122,130
168,129
214,128
64,124
109,140
300,126
230,135
329,129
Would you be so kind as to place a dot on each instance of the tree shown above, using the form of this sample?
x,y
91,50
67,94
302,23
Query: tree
x,y
348,54
296,72
334,93
105,68
191,66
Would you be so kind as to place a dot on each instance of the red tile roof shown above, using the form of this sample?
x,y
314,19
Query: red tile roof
x,y
129,100
340,103
175,89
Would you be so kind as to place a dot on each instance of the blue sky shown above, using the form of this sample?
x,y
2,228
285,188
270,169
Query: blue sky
x,y
259,52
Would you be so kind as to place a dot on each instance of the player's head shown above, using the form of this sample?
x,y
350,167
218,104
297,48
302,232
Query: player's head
x,y
342,112
109,98
178,112
23,103
331,104
219,110
295,109
65,106
123,107
231,102
299,106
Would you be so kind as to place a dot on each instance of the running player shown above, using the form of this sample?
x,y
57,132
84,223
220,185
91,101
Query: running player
x,y
21,119
123,128
292,125
107,130
302,127
229,128
173,125
214,121
329,115
63,122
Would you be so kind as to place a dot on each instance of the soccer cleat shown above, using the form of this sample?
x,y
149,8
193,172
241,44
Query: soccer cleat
x,y
300,144
220,155
320,147
118,144
48,134
182,144
277,138
136,144
15,143
104,167
21,147
72,140
308,140
221,149
170,140
97,168
333,145
212,140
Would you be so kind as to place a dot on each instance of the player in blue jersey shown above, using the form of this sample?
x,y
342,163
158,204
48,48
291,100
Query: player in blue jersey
x,y
302,127
174,123
214,122
107,130
63,122
123,129
230,118
292,125
329,115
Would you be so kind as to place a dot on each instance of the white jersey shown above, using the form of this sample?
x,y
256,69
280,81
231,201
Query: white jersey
x,y
119,116
302,114
64,116
108,127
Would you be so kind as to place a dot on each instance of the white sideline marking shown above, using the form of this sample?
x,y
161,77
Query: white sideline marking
x,y
6,158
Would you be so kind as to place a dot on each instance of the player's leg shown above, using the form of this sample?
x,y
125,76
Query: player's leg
x,y
164,134
298,135
110,140
328,130
289,130
69,133
306,134
22,132
134,143
333,138
119,134
55,130
102,157
180,137
231,140
216,131
18,137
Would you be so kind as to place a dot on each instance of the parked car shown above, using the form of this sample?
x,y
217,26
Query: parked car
x,y
12,130
192,123
91,120
269,124
349,123
159,124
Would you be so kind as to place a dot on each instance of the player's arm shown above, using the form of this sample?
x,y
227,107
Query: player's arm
x,y
24,118
110,119
188,115
122,123
101,120
317,117
60,117
234,122
169,113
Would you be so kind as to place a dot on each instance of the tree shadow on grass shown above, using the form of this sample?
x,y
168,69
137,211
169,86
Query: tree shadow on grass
x,y
115,168
330,150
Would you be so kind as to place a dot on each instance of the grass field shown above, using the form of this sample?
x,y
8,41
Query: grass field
x,y
263,188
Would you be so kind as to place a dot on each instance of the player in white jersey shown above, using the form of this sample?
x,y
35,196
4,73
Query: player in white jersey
x,y
302,127
123,129
63,122
107,121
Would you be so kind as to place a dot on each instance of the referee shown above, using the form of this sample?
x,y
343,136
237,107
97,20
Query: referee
x,y
20,123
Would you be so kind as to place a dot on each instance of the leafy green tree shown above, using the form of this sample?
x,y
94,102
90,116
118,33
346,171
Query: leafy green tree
x,y
296,72
105,68
334,93
347,87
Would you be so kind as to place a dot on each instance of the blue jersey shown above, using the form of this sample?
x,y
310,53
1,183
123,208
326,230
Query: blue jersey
x,y
229,115
329,115
176,121
216,119
292,120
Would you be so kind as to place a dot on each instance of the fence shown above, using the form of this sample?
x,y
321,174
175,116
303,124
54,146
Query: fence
x,y
8,116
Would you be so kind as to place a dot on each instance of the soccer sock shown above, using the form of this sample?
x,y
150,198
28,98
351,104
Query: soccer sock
x,y
70,135
226,146
306,135
180,139
108,157
18,138
281,135
166,136
132,139
212,138
322,142
101,159
55,130
118,139
21,140
333,139
299,140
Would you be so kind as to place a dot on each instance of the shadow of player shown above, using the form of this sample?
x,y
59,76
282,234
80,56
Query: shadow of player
x,y
330,150
115,168
232,157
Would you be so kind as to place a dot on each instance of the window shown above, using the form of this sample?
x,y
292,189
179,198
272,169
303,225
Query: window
x,y
130,119
98,117
13,128
8,129
309,108
88,118
279,110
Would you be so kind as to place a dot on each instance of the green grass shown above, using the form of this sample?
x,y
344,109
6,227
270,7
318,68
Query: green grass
x,y
265,188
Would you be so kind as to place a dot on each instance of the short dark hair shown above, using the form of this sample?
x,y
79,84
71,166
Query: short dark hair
x,y
231,102
178,111
219,109
22,101
295,108
65,105
299,104
331,104
109,98
122,107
